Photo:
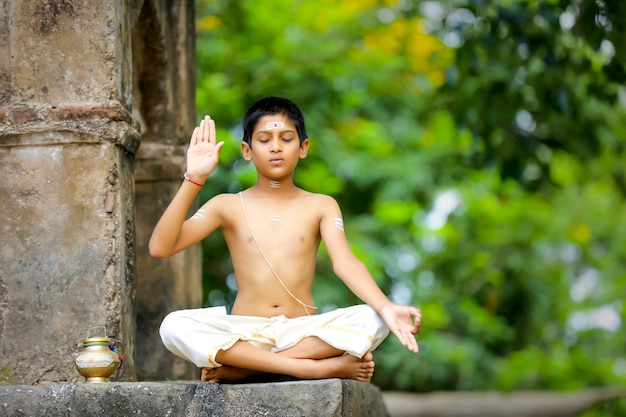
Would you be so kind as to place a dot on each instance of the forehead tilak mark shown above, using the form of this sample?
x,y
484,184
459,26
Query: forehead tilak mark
x,y
274,125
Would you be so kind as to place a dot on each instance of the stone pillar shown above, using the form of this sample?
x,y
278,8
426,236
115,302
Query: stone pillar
x,y
67,146
164,103
79,79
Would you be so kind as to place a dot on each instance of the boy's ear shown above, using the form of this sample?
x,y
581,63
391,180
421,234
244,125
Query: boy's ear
x,y
246,151
304,148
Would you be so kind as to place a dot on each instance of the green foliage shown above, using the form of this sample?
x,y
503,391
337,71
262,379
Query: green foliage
x,y
482,178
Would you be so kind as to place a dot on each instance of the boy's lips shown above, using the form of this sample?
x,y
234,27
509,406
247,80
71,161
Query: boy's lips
x,y
276,161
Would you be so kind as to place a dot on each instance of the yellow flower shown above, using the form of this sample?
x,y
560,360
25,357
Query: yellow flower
x,y
581,233
208,23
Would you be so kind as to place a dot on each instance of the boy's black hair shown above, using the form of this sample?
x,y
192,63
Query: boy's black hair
x,y
273,105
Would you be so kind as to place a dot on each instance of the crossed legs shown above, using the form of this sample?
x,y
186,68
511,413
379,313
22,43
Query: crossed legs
x,y
312,358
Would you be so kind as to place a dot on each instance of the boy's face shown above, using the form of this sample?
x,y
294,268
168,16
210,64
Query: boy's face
x,y
275,145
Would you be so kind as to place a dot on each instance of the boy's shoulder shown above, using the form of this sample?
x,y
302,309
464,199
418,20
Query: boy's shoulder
x,y
322,204
319,198
224,198
222,202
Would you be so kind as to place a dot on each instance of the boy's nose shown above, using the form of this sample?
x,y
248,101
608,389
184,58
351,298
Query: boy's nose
x,y
276,146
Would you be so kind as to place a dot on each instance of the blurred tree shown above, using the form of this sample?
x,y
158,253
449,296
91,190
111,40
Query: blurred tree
x,y
550,82
550,78
478,154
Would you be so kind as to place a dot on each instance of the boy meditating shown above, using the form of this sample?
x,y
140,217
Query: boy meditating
x,y
273,231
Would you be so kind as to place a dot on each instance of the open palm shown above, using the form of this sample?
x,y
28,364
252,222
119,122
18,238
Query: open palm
x,y
203,152
404,322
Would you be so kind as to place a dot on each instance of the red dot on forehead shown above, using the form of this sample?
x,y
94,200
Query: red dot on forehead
x,y
274,125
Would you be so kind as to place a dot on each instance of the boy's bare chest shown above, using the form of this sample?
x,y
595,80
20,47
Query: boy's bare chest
x,y
278,228
284,227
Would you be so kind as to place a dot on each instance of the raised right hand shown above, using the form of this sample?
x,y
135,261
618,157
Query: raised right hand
x,y
203,152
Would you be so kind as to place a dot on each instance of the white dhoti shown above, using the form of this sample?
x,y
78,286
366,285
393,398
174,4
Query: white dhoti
x,y
198,334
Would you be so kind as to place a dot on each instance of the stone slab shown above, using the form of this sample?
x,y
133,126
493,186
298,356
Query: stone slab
x,y
328,398
498,404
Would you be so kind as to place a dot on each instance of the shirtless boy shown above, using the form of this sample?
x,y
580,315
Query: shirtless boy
x,y
273,231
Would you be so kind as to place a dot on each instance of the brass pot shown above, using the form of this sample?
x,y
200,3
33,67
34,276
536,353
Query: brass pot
x,y
98,359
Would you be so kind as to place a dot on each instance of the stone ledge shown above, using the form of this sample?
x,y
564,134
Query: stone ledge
x,y
328,398
498,404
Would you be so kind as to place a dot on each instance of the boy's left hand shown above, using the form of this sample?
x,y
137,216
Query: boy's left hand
x,y
404,322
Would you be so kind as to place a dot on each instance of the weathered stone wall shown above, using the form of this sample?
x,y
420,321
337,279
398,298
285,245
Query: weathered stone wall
x,y
164,103
162,285
66,151
72,106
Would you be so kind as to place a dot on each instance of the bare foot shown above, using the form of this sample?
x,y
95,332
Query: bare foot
x,y
226,373
343,366
346,367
